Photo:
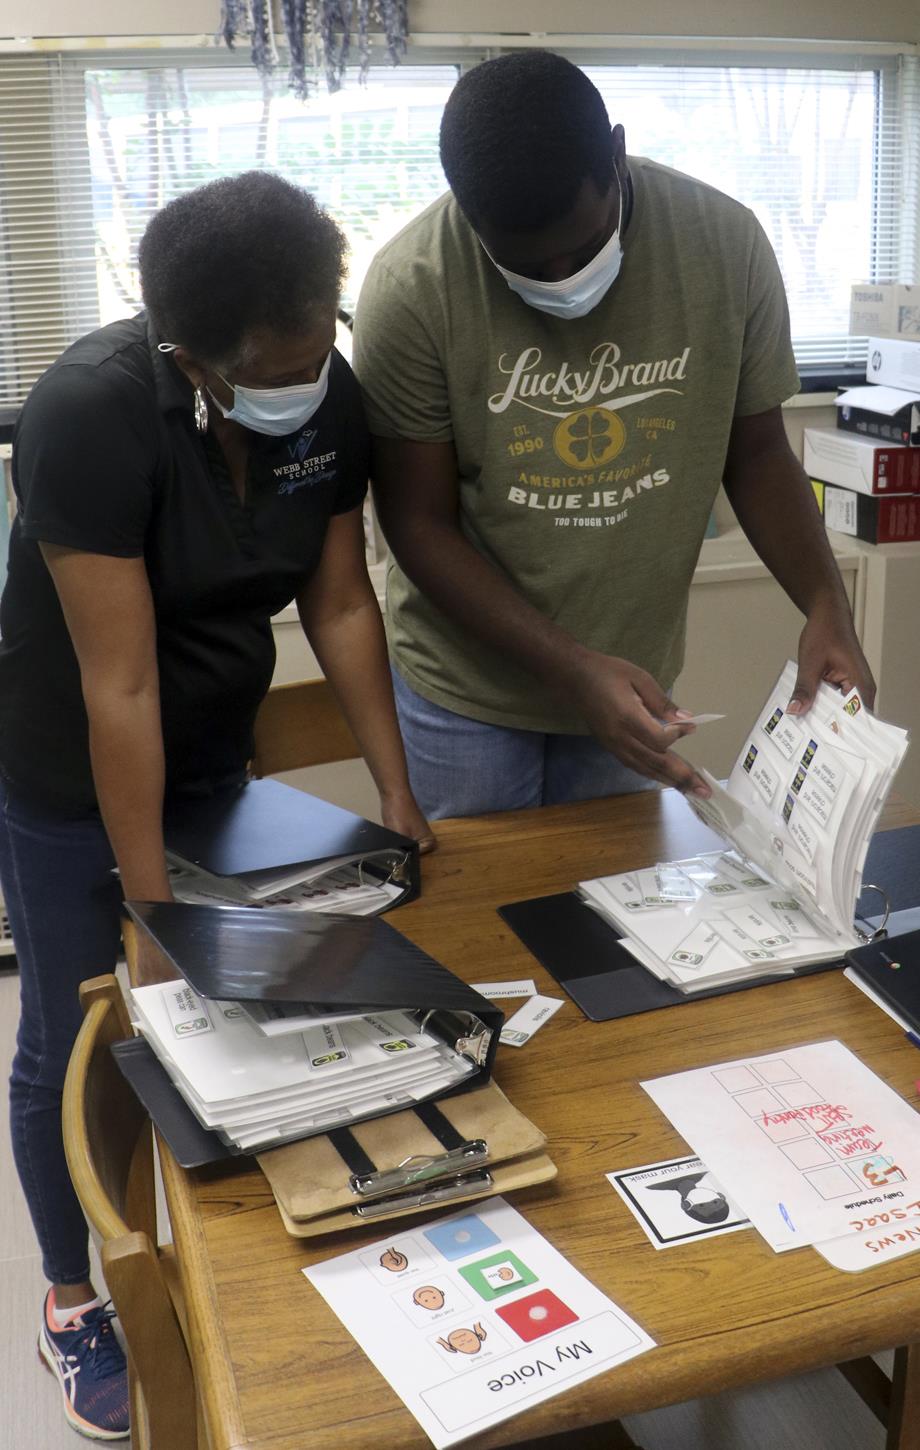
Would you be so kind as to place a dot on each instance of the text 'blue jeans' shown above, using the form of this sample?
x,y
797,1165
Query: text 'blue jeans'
x,y
63,903
462,767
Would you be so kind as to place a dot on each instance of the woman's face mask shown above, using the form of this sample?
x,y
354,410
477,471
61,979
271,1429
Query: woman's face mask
x,y
579,294
275,411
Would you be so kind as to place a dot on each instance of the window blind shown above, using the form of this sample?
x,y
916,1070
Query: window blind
x,y
91,146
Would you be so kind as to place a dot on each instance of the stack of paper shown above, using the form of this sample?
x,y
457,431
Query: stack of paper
x,y
341,886
256,1090
799,809
811,1144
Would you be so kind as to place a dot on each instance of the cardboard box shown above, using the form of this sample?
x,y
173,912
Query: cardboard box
x,y
884,309
865,465
894,362
890,520
880,412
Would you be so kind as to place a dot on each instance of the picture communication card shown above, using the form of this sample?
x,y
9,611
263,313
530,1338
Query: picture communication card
x,y
473,1318
809,1142
677,1202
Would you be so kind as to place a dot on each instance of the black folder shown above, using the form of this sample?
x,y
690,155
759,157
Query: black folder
x,y
582,951
891,967
264,825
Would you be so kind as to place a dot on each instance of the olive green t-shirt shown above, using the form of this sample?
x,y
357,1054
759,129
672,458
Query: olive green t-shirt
x,y
589,451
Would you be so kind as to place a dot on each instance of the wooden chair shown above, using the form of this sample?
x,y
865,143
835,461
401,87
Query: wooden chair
x,y
299,725
108,1142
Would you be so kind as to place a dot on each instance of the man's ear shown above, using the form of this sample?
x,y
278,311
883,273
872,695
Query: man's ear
x,y
194,370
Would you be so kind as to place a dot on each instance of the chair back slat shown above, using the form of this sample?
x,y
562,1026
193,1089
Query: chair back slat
x,y
299,725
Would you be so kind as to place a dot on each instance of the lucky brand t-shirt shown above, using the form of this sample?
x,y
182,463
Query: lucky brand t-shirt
x,y
589,451
107,459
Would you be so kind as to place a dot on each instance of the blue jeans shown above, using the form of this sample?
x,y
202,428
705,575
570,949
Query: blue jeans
x,y
463,767
63,904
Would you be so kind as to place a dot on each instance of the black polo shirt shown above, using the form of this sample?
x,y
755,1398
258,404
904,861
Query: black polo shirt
x,y
107,459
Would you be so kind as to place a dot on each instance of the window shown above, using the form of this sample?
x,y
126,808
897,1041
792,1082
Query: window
x,y
827,157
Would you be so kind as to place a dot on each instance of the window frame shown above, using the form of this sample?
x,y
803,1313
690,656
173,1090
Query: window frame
x,y
593,52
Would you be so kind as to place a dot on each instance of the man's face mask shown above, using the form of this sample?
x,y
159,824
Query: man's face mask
x,y
276,411
579,294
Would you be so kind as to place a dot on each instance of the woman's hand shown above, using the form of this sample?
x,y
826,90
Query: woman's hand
x,y
401,813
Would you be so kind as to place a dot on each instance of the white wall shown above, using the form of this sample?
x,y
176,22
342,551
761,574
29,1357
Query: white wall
x,y
883,20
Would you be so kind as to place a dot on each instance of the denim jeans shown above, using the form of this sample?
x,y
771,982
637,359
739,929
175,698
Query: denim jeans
x,y
63,904
462,767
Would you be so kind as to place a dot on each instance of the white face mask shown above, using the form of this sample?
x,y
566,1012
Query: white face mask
x,y
276,411
577,295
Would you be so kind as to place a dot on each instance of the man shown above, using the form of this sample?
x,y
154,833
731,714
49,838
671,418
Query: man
x,y
562,359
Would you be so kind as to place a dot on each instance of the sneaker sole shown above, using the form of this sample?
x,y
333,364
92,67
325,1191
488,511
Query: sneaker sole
x,y
76,1422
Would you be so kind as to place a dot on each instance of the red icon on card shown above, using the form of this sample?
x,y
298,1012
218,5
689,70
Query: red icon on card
x,y
536,1315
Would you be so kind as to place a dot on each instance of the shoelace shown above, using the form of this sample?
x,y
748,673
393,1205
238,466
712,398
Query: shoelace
x,y
97,1343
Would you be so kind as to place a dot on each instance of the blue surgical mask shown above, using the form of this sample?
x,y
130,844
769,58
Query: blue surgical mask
x,y
579,294
276,411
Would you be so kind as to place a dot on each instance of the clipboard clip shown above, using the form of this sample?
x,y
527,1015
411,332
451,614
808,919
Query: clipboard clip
x,y
420,1169
882,930
462,1185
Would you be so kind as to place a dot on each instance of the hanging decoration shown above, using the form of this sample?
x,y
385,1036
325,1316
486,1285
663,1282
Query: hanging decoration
x,y
314,28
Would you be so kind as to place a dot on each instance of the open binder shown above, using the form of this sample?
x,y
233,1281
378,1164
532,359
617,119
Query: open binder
x,y
263,843
413,1149
338,969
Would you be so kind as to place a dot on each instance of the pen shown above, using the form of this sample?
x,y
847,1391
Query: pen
x,y
912,1037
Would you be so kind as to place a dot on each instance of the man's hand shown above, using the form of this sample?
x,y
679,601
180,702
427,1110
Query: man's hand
x,y
632,717
401,813
830,651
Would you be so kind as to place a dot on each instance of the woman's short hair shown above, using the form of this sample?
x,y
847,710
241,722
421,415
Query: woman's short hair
x,y
243,254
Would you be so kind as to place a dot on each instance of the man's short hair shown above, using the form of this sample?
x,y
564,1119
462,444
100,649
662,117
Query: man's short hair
x,y
519,136
243,254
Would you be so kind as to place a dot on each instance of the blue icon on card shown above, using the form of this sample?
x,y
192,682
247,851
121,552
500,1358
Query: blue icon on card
x,y
461,1236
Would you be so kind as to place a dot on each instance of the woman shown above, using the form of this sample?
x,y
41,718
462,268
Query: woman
x,y
181,477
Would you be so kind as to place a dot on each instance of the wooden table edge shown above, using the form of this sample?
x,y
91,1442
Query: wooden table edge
x,y
218,1392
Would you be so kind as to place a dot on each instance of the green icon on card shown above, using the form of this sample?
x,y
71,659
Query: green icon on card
x,y
498,1275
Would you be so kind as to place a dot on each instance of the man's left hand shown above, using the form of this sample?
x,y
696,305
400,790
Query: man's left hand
x,y
830,651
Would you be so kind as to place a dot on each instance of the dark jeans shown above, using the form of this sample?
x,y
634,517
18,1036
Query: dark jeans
x,y
63,904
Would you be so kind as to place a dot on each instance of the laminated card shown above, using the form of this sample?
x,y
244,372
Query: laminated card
x,y
475,1318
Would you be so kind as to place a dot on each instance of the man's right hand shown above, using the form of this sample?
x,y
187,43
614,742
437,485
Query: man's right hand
x,y
632,717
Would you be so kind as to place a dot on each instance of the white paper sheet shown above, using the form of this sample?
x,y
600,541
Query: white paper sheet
x,y
807,1141
474,1318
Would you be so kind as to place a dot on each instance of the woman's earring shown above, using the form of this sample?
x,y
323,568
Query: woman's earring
x,y
201,411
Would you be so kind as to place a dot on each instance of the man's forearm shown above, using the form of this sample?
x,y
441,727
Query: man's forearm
x,y
126,750
776,508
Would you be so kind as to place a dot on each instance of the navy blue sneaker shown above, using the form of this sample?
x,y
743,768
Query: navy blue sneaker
x,y
90,1368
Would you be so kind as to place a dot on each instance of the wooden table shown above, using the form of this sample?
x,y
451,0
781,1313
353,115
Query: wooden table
x,y
276,1369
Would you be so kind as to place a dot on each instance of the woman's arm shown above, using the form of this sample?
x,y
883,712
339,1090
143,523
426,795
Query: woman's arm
x,y
341,619
109,613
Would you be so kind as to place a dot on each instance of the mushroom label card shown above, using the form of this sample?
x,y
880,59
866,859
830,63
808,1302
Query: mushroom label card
x,y
474,1318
